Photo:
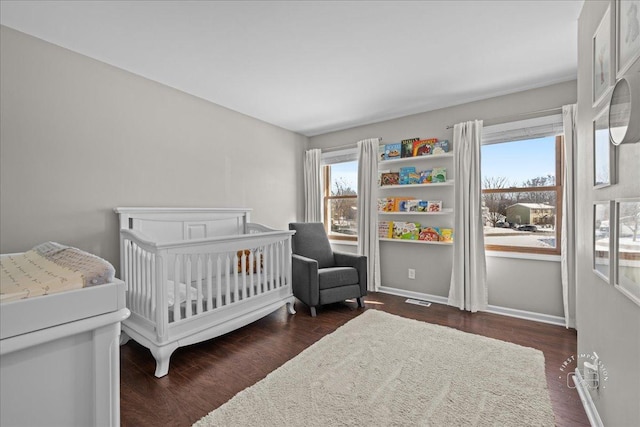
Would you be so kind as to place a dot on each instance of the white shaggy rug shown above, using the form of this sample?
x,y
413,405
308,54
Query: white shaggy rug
x,y
382,369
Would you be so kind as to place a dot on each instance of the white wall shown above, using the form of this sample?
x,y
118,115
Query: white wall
x,y
608,322
80,137
529,285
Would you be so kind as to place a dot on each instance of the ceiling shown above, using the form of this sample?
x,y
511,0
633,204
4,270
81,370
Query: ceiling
x,y
318,66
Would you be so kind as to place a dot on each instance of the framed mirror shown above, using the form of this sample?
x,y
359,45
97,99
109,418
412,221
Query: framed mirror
x,y
625,104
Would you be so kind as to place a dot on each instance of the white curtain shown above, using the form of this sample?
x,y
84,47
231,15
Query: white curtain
x,y
312,186
567,241
468,289
368,209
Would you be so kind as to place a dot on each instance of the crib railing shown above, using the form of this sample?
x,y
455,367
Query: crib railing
x,y
169,283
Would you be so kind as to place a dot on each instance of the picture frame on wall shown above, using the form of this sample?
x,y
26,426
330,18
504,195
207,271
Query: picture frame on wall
x,y
602,65
602,240
627,34
604,153
627,248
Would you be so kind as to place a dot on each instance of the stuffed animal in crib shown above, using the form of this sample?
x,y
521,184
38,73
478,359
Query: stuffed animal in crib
x,y
247,253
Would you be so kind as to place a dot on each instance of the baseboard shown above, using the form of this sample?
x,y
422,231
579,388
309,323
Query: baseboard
x,y
527,315
412,294
589,407
504,311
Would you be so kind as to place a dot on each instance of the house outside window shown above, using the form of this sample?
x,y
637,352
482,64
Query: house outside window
x,y
340,194
522,186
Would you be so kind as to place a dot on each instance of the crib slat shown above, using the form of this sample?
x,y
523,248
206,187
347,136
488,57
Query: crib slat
x,y
218,281
235,277
272,277
243,270
153,287
257,272
187,281
251,264
209,283
176,289
227,280
146,284
137,279
199,284
278,260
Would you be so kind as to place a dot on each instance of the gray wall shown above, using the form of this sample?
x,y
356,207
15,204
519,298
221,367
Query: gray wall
x,y
513,284
80,137
608,322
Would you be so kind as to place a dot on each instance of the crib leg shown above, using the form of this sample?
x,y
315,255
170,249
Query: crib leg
x,y
290,307
162,356
124,338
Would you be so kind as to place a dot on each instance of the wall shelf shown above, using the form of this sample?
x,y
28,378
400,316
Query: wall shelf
x,y
434,184
420,242
441,212
417,158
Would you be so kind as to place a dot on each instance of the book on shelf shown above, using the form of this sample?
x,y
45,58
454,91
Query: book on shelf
x,y
425,176
406,174
406,230
438,175
386,204
423,147
434,206
385,229
408,204
392,151
399,203
389,178
440,147
446,234
381,151
407,147
436,234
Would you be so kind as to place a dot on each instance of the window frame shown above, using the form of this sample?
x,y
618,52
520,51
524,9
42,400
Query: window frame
x,y
327,197
557,188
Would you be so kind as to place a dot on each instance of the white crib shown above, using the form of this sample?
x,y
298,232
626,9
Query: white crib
x,y
193,274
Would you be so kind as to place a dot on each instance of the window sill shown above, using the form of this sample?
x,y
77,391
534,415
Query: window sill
x,y
523,255
343,242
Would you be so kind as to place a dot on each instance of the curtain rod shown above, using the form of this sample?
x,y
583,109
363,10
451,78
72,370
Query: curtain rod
x,y
513,116
342,147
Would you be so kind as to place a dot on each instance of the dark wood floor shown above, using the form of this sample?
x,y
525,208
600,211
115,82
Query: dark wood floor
x,y
206,375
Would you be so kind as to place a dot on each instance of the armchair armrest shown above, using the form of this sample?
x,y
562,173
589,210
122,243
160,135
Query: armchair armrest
x,y
359,262
305,279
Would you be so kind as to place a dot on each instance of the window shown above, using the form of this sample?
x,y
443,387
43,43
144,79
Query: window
x,y
341,196
522,192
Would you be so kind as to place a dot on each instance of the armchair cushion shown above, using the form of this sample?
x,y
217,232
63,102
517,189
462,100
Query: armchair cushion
x,y
311,241
333,277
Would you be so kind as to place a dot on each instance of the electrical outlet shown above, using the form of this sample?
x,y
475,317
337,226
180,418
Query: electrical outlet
x,y
412,273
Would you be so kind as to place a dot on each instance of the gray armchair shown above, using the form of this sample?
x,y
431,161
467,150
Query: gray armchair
x,y
321,276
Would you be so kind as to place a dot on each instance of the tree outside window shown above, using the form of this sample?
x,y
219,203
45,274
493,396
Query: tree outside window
x,y
341,200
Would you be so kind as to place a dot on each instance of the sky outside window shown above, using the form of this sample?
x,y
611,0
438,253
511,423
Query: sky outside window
x,y
519,161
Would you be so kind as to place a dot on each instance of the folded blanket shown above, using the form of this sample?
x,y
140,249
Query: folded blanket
x,y
50,268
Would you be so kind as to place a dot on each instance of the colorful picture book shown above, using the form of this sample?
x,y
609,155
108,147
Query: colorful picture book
x,y
436,234
406,230
413,231
409,175
390,178
408,204
412,147
392,151
407,146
